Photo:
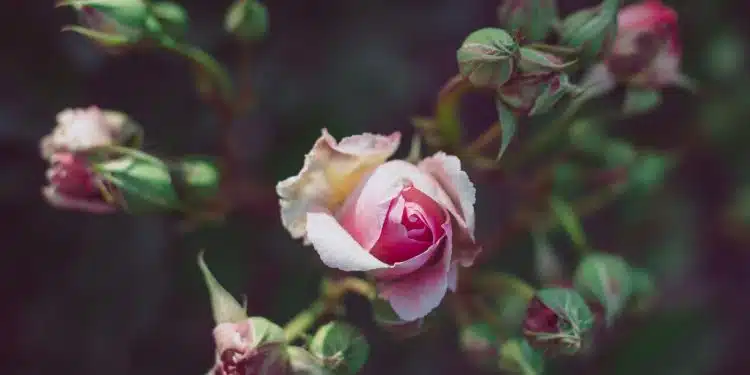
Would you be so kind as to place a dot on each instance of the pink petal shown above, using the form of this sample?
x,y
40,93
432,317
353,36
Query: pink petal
x,y
364,213
337,249
414,295
55,199
331,172
446,170
647,14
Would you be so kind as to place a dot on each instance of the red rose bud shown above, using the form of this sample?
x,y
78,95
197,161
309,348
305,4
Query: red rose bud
x,y
646,54
558,320
73,185
533,19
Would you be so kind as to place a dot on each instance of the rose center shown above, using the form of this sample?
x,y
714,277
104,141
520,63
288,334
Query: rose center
x,y
412,224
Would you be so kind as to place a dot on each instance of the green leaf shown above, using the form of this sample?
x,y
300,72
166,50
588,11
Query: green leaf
x,y
104,39
518,357
341,347
486,57
264,331
201,176
648,173
591,29
607,278
388,320
508,124
479,343
638,101
643,287
551,93
547,264
532,18
303,362
172,18
225,308
577,318
569,220
145,182
533,61
247,20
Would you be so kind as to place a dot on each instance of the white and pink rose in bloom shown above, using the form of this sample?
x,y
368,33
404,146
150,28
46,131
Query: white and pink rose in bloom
x,y
646,52
410,226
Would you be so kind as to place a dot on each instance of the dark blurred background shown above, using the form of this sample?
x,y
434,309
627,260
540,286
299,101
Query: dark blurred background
x,y
83,294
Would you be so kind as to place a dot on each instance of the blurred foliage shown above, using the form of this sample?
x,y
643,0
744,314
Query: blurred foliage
x,y
82,294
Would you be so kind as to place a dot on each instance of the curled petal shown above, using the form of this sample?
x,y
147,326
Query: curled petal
x,y
446,170
364,213
414,295
337,249
329,175
59,200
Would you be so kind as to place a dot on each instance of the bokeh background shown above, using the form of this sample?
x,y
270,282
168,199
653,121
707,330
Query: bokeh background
x,y
83,294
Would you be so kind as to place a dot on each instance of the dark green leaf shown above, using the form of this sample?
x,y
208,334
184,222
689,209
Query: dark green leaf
x,y
569,221
638,101
508,124
607,278
247,20
341,347
518,357
577,318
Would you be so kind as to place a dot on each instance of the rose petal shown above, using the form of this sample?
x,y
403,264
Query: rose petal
x,y
453,277
329,175
647,14
414,295
58,200
363,215
406,267
337,249
446,170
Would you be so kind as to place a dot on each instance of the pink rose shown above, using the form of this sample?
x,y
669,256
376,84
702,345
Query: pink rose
x,y
409,226
646,52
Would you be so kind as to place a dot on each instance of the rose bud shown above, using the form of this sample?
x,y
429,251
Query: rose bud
x,y
79,130
114,24
646,52
249,347
409,226
558,320
73,182
73,185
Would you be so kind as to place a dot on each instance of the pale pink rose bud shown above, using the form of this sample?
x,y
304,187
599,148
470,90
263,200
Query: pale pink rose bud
x,y
646,52
409,226
242,350
81,129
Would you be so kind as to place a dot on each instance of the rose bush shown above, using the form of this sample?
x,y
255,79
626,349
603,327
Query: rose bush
x,y
410,226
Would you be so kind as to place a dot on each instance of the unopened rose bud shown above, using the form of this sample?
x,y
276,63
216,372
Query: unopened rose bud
x,y
486,57
532,18
646,56
253,346
558,320
111,23
73,181
534,94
